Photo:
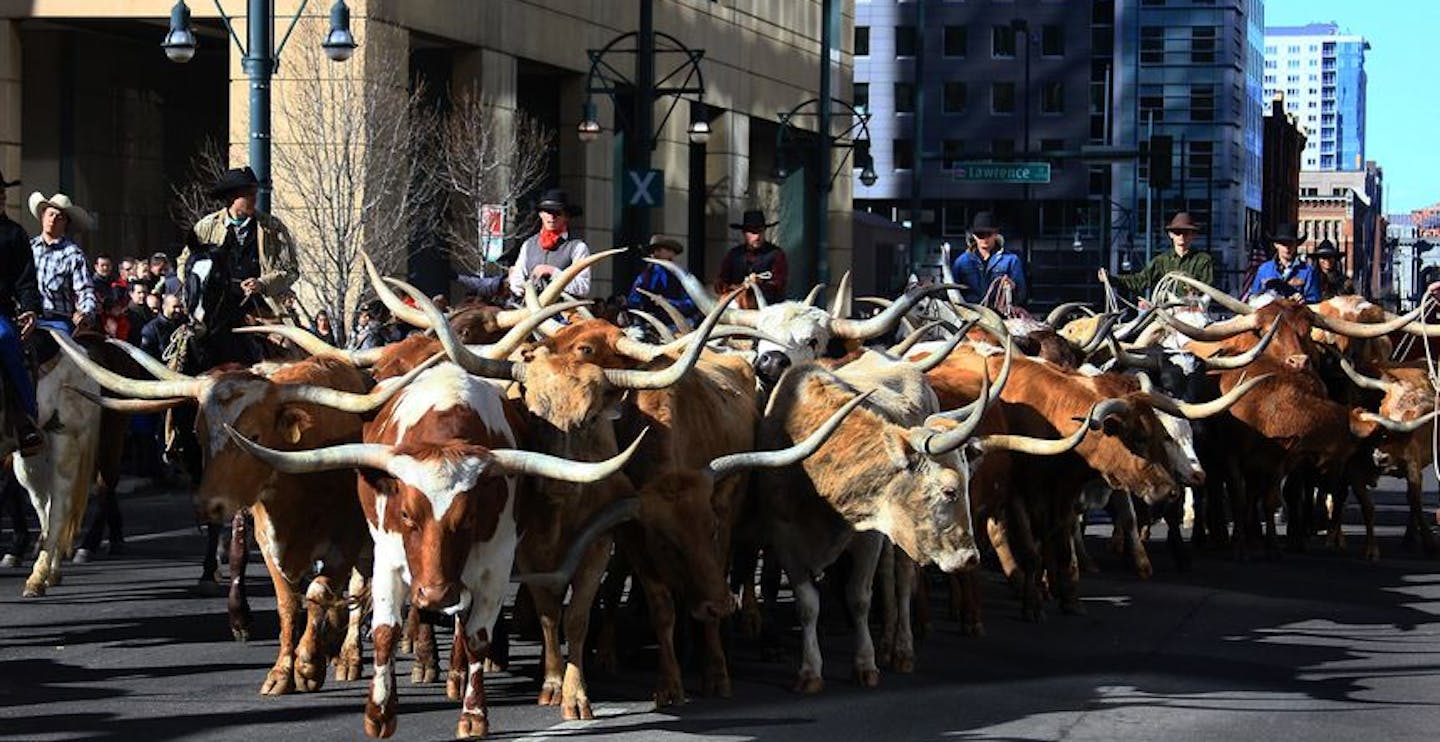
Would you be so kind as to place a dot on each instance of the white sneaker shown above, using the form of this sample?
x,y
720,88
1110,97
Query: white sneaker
x,y
81,556
9,561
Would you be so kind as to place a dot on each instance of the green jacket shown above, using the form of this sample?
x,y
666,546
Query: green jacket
x,y
1197,265
278,269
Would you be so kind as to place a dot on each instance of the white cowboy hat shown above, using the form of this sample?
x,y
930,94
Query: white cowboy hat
x,y
79,218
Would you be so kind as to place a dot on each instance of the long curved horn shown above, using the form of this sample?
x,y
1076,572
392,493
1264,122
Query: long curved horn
x,y
935,443
1397,426
620,511
557,285
1220,297
1102,331
358,404
1204,333
149,363
1363,381
697,291
1130,359
632,379
681,322
515,336
306,341
840,303
645,352
1127,332
1230,363
1036,446
994,389
726,465
901,348
947,273
402,311
1362,330
459,354
814,295
661,329
130,406
123,385
1202,410
760,301
864,329
582,311
905,323
345,456
929,363
1059,313
517,461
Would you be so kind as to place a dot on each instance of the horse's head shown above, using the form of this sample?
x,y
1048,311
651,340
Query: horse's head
x,y
209,300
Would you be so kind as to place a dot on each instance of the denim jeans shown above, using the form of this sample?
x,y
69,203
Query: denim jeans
x,y
12,357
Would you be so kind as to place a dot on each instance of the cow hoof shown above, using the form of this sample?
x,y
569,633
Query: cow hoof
x,y
407,644
549,694
472,726
241,633
278,682
489,665
1145,571
884,655
379,728
33,590
309,676
809,685
455,684
348,664
716,685
867,678
577,709
82,556
424,674
903,663
972,628
672,695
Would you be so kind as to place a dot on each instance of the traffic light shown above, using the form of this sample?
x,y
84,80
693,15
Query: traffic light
x,y
1159,163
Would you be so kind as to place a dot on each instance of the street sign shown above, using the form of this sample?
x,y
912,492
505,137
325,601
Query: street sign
x,y
1002,172
643,188
492,231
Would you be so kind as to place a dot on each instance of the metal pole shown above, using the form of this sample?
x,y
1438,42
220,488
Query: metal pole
x,y
1149,194
1029,206
259,65
917,138
822,227
643,123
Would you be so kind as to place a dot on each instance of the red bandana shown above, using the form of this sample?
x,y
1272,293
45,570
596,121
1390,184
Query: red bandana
x,y
549,239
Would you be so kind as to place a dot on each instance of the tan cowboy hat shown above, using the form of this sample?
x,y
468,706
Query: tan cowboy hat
x,y
79,218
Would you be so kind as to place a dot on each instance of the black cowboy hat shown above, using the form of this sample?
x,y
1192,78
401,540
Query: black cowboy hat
x,y
984,221
1182,223
7,183
666,242
1285,235
753,221
1326,249
234,180
556,200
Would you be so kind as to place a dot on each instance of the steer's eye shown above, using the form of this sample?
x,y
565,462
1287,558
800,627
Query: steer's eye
x,y
950,493
813,343
585,350
405,518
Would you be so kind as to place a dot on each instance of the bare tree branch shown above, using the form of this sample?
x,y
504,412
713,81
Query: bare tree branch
x,y
192,198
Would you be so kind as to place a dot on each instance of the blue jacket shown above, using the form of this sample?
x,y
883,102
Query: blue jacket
x,y
657,280
1299,277
977,275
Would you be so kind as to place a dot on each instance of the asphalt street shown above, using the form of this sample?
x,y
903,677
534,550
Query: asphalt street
x,y
1315,646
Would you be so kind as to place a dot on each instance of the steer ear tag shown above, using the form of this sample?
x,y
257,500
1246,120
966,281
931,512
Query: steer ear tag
x,y
294,422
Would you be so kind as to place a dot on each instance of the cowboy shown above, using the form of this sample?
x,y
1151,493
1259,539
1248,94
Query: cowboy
x,y
986,262
1333,281
657,280
756,256
1196,265
20,304
61,270
261,251
552,249
1284,274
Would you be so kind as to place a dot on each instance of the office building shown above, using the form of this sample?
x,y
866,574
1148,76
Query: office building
x,y
1321,72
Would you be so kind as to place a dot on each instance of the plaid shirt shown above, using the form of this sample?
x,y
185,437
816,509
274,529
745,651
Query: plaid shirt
x,y
64,277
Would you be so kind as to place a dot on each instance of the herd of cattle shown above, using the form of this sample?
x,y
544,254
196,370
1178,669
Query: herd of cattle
x,y
549,446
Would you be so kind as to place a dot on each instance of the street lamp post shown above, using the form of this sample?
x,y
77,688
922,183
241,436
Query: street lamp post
x,y
1021,28
260,59
646,89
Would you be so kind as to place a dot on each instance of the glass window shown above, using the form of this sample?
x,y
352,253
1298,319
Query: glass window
x,y
904,154
1152,45
904,41
862,41
1052,97
1002,42
955,96
956,41
904,97
860,96
1052,41
1002,97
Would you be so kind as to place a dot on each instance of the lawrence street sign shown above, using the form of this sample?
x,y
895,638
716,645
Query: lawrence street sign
x,y
1002,172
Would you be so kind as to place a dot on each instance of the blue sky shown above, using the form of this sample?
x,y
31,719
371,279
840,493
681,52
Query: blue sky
x,y
1403,116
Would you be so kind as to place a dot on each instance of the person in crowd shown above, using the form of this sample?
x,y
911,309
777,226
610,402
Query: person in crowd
x,y
15,506
160,275
1333,281
139,312
61,270
371,330
154,301
115,314
20,307
258,245
322,328
155,335
1182,258
1285,274
105,276
553,249
657,280
754,256
986,262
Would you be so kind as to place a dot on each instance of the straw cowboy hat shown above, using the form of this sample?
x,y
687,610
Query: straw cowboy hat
x,y
79,218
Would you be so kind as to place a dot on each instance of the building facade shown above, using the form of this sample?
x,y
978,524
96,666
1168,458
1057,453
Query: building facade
x,y
1197,73
1347,208
1284,151
1321,73
93,108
